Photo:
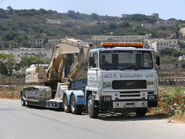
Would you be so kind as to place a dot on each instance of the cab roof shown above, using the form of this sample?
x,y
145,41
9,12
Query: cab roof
x,y
120,49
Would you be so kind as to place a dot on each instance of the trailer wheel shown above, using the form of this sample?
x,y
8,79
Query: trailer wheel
x,y
92,110
22,100
141,112
75,109
66,105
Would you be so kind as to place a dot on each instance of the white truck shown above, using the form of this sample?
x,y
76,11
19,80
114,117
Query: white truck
x,y
121,76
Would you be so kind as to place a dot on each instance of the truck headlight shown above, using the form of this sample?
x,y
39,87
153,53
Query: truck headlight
x,y
107,84
150,82
151,97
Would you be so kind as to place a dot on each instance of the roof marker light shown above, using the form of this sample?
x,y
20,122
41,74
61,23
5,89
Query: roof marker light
x,y
125,44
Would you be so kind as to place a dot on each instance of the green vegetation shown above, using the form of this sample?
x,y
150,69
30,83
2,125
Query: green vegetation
x,y
170,56
7,62
19,26
171,100
26,61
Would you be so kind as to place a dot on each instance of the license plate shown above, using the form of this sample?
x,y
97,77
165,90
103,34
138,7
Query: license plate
x,y
130,104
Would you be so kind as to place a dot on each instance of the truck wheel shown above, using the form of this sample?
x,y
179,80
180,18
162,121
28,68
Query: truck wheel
x,y
141,112
66,105
75,109
92,110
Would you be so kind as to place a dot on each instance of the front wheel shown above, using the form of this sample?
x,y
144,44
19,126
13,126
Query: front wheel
x,y
92,110
141,112
75,109
66,105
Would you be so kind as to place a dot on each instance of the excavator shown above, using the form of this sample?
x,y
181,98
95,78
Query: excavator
x,y
68,62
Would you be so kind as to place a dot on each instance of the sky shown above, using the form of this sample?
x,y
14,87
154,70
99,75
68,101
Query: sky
x,y
166,8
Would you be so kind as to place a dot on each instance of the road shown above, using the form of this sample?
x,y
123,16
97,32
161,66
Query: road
x,y
17,122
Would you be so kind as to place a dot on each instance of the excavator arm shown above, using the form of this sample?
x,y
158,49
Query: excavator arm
x,y
57,64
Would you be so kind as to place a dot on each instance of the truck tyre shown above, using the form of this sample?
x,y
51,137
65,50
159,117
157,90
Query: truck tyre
x,y
75,109
92,110
66,105
141,112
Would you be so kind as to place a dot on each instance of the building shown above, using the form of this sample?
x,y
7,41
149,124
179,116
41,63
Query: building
x,y
20,52
182,31
159,24
52,42
181,57
127,16
37,42
159,44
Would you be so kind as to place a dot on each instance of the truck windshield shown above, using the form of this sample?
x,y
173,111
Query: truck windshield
x,y
121,60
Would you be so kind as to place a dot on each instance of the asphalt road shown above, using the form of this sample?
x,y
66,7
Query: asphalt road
x,y
17,122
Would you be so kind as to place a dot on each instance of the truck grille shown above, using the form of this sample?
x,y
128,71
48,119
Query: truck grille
x,y
129,84
130,94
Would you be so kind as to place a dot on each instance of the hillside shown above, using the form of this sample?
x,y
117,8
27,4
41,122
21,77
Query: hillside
x,y
19,26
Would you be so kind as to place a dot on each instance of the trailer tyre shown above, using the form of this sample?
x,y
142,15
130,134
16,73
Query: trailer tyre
x,y
22,100
141,112
75,109
92,110
66,105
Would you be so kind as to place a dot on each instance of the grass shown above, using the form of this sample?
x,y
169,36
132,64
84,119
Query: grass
x,y
10,92
171,100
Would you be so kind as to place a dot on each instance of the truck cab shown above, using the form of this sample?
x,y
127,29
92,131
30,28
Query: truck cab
x,y
121,76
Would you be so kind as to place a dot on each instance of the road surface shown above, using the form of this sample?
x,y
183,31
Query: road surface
x,y
17,122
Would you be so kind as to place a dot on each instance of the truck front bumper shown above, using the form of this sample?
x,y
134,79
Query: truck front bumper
x,y
106,105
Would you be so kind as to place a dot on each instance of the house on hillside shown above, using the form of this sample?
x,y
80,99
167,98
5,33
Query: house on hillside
x,y
159,44
181,58
182,31
37,43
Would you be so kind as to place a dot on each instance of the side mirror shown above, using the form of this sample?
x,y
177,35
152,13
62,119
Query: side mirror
x,y
158,60
91,61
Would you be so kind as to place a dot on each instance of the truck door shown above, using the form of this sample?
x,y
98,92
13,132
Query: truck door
x,y
93,71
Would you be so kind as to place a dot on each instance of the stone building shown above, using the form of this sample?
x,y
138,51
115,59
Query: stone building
x,y
52,42
158,44
38,43
182,31
127,16
181,58
159,24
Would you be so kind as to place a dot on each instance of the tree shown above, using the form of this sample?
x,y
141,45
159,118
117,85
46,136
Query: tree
x,y
3,68
170,52
10,8
29,60
71,14
8,61
25,43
